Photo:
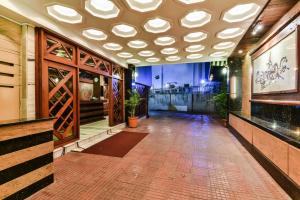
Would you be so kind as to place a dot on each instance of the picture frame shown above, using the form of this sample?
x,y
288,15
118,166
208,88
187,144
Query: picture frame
x,y
276,69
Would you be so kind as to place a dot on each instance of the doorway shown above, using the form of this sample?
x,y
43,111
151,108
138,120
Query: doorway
x,y
81,90
62,100
94,101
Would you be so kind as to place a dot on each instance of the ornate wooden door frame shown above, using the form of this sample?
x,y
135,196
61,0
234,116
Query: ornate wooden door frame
x,y
54,49
116,103
117,96
142,108
60,100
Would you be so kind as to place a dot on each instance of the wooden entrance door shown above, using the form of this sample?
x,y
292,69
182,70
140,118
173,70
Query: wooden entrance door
x,y
58,62
62,101
116,115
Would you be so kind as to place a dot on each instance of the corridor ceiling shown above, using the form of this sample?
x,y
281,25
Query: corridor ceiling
x,y
148,32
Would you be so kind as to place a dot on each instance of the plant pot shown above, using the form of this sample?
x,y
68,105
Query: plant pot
x,y
224,122
132,122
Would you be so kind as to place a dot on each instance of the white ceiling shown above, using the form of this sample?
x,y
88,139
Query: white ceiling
x,y
173,11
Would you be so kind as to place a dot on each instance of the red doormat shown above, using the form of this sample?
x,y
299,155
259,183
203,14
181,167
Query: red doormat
x,y
117,145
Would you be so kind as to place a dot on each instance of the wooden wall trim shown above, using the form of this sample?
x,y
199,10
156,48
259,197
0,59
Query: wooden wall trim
x,y
77,44
276,102
285,20
38,72
285,31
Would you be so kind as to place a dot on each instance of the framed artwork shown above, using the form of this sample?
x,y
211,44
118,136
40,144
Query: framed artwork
x,y
86,91
276,70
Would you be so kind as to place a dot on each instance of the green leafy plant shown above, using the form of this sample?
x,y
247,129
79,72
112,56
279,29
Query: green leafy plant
x,y
132,102
221,104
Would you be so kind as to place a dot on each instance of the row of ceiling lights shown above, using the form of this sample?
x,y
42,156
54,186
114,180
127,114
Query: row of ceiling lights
x,y
171,58
107,9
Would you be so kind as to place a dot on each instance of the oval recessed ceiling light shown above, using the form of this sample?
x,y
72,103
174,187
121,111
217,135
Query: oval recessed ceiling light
x,y
125,55
133,61
230,33
137,44
195,48
94,34
105,9
191,1
241,12
172,58
112,46
64,14
195,37
164,41
219,54
146,53
124,30
153,59
144,5
224,45
196,19
194,56
169,51
157,25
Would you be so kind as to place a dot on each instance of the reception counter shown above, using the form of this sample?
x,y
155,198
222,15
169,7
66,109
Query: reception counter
x,y
26,157
277,148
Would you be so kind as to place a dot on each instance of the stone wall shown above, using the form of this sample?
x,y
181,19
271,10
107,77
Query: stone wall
x,y
28,72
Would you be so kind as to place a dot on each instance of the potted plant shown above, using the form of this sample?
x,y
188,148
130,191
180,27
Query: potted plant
x,y
221,106
132,103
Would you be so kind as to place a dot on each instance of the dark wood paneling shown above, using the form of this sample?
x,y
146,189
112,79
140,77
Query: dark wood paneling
x,y
116,102
142,108
25,167
128,85
91,111
271,14
20,170
31,189
16,144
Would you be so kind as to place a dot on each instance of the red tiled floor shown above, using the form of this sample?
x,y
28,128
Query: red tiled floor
x,y
184,157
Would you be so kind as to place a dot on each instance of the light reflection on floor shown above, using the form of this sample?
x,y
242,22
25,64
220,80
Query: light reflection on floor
x,y
94,128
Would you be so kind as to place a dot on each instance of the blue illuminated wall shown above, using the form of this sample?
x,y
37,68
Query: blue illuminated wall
x,y
144,75
160,75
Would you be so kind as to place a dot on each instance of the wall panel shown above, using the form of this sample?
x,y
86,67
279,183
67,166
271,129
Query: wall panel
x,y
294,163
282,154
10,60
26,155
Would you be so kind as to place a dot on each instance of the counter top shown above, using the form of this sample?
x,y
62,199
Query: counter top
x,y
22,121
290,136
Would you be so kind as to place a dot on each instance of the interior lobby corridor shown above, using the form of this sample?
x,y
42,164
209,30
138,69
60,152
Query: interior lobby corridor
x,y
150,99
184,156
